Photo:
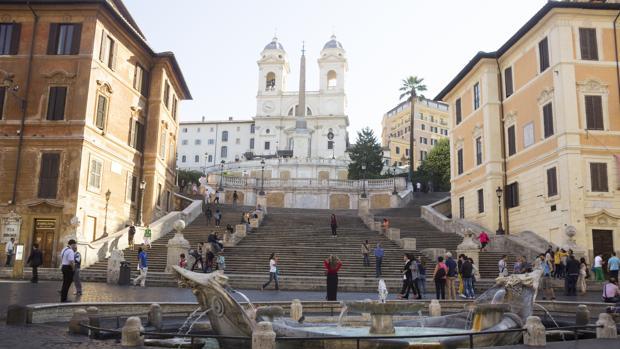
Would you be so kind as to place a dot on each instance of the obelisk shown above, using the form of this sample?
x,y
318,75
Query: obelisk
x,y
301,137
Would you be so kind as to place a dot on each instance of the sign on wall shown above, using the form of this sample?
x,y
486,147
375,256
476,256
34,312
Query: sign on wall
x,y
10,226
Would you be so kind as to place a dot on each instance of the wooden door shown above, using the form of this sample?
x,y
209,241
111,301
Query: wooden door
x,y
90,227
44,235
602,242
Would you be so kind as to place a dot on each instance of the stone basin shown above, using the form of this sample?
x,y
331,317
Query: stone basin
x,y
381,313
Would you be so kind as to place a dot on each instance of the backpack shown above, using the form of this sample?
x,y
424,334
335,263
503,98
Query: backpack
x,y
441,273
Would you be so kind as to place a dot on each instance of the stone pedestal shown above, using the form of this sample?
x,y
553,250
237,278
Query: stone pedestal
x,y
261,200
434,309
535,332
93,319
241,230
377,226
154,317
177,245
363,206
79,316
582,315
130,334
263,336
296,310
254,223
433,253
394,201
381,324
469,247
393,234
408,244
114,266
609,326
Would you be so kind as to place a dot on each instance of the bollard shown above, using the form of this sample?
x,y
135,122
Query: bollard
x,y
609,326
582,315
263,336
535,332
93,320
131,336
154,317
79,316
434,309
296,310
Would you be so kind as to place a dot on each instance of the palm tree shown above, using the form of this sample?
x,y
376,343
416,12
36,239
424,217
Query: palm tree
x,y
410,88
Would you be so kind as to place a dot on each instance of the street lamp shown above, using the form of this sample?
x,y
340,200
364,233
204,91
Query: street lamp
x,y
105,219
262,177
500,229
364,181
394,192
142,186
221,188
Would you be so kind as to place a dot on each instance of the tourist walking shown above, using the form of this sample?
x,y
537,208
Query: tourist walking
x,y
517,266
131,232
415,275
221,263
583,275
218,217
332,264
9,248
407,280
35,260
421,282
547,287
143,267
439,276
598,268
563,261
208,215
210,262
235,197
613,264
502,266
147,236
572,274
611,292
556,263
273,271
365,253
459,265
182,261
468,274
67,261
379,253
217,197
77,281
197,254
334,225
450,279
484,240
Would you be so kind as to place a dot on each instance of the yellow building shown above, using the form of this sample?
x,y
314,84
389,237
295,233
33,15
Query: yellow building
x,y
540,118
431,123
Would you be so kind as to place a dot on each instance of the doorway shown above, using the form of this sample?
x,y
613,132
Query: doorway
x,y
44,235
602,242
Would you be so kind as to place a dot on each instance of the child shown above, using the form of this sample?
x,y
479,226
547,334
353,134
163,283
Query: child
x,y
183,261
221,263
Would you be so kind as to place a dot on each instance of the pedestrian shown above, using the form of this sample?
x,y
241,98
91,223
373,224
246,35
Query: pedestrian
x,y
35,260
334,225
217,197
526,267
484,240
415,275
418,187
208,215
613,264
556,263
235,197
218,217
273,271
476,274
332,264
611,293
421,284
67,258
365,253
459,265
9,248
130,235
210,263
194,189
572,274
501,265
379,253
563,261
439,276
468,274
406,275
385,225
430,186
147,237
216,245
583,275
598,268
143,268
221,262
77,281
450,278
517,266
547,287
182,261
197,254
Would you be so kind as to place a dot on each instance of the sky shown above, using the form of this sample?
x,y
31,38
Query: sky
x,y
217,44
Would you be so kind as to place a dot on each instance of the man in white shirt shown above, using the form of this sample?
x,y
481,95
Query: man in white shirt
x,y
9,248
598,268
67,260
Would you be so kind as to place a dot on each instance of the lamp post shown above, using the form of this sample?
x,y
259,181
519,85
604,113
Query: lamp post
x,y
105,218
262,177
142,186
221,188
364,181
394,192
500,229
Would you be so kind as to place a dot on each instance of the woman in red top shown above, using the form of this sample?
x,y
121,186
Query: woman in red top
x,y
332,265
484,240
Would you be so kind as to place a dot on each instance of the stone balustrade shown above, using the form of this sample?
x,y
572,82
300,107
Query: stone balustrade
x,y
308,183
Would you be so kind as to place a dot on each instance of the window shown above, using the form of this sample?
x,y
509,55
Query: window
x,y
167,200
137,139
330,145
479,151
476,96
598,177
548,120
528,135
48,175
238,128
210,158
211,141
508,88
141,80
183,158
552,182
267,145
2,99
197,129
196,158
224,136
64,39
543,54
252,128
184,130
480,200
107,51
332,81
457,111
237,141
459,161
594,112
224,152
267,131
94,174
167,94
512,144
270,81
9,38
397,150
422,127
162,145
56,103
587,43
158,195
134,189
102,112
184,142
512,195
407,152
462,207
174,108
251,143
423,155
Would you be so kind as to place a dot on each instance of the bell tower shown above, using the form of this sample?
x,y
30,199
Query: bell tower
x,y
273,69
332,67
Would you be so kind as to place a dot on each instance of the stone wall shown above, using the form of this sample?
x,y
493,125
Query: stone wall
x,y
339,202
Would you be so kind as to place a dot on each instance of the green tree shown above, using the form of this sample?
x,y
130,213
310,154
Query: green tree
x,y
436,167
411,87
189,176
366,150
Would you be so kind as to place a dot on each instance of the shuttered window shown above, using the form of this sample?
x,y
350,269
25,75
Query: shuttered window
x,y
174,107
598,177
137,137
9,38
64,39
167,94
107,51
94,174
462,207
48,175
594,112
102,112
552,182
512,195
512,145
2,100
56,103
457,108
459,161
158,195
548,120
479,151
543,54
587,43
476,96
480,200
251,143
508,82
141,80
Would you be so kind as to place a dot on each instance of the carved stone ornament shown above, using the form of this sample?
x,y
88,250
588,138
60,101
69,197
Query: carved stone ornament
x,y
545,96
603,218
592,86
60,76
510,118
459,143
477,131
104,86
5,75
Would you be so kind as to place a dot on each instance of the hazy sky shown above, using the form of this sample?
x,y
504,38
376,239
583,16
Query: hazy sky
x,y
217,44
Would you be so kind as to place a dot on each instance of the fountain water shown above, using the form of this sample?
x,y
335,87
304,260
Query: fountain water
x,y
551,317
187,321
421,318
343,312
196,320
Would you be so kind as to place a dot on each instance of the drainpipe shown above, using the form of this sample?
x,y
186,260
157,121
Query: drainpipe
x,y
503,141
616,51
140,212
24,105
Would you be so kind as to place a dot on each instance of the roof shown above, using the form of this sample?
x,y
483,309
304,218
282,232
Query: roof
x,y
333,43
210,122
274,45
519,34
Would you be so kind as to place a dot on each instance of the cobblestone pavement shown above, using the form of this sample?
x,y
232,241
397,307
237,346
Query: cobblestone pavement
x,y
48,336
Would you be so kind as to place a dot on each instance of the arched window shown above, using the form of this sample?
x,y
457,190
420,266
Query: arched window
x,y
332,80
224,136
183,158
270,82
